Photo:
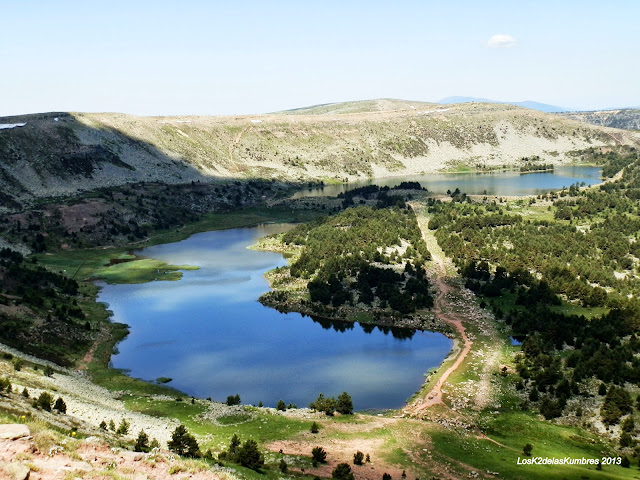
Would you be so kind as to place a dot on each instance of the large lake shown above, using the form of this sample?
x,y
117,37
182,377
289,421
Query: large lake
x,y
210,334
499,183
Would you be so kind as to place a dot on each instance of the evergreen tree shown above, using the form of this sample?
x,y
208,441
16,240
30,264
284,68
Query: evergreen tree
x,y
60,406
142,443
249,456
319,455
344,404
123,428
342,472
44,401
183,443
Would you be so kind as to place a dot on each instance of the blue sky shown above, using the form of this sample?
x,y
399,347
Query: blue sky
x,y
198,57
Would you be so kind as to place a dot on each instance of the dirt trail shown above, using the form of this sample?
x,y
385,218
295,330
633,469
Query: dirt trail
x,y
102,336
442,311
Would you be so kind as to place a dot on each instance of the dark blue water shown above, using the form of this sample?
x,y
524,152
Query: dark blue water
x,y
500,183
210,334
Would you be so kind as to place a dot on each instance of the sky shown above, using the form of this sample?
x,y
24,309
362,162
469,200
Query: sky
x,y
224,58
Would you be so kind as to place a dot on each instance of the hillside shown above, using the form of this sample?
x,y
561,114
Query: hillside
x,y
627,118
63,153
542,107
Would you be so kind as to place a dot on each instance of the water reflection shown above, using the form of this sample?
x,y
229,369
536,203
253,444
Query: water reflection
x,y
210,334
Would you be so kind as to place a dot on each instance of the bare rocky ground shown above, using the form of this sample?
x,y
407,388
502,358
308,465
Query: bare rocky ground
x,y
45,455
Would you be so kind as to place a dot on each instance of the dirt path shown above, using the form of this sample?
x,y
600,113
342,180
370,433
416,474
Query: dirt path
x,y
102,336
443,311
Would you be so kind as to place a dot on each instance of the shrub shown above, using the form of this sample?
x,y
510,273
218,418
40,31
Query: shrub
x,y
283,466
48,371
103,425
315,428
281,406
5,384
358,458
386,476
527,449
25,392
233,400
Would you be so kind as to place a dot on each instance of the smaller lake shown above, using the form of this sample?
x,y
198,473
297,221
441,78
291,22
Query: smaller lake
x,y
498,183
210,334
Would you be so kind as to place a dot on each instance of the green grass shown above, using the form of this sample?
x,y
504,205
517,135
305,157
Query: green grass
x,y
234,419
141,271
571,309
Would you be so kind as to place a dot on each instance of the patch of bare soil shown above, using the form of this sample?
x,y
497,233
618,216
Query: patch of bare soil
x,y
38,457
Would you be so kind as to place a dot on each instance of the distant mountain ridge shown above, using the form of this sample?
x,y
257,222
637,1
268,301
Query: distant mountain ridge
x,y
541,107
625,118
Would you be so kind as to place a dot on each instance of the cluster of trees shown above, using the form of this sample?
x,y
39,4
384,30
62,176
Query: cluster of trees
x,y
340,257
577,262
246,454
381,194
50,296
329,405
121,429
536,167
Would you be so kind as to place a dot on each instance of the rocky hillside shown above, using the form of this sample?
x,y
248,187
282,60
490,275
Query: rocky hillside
x,y
62,153
628,119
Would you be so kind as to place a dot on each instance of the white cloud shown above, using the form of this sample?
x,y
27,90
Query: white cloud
x,y
501,41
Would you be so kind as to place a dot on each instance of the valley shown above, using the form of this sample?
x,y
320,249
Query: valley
x,y
557,270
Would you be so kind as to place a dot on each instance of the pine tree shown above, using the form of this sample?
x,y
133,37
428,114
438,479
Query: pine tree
x,y
344,405
60,406
319,455
123,428
342,472
44,401
142,443
183,443
249,456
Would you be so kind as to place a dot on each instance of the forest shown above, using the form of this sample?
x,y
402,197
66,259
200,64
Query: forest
x,y
364,255
563,272
39,310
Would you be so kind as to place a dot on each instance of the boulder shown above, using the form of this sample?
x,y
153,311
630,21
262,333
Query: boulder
x,y
13,431
18,471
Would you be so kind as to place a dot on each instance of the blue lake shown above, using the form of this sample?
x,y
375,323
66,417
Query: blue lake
x,y
499,183
210,334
